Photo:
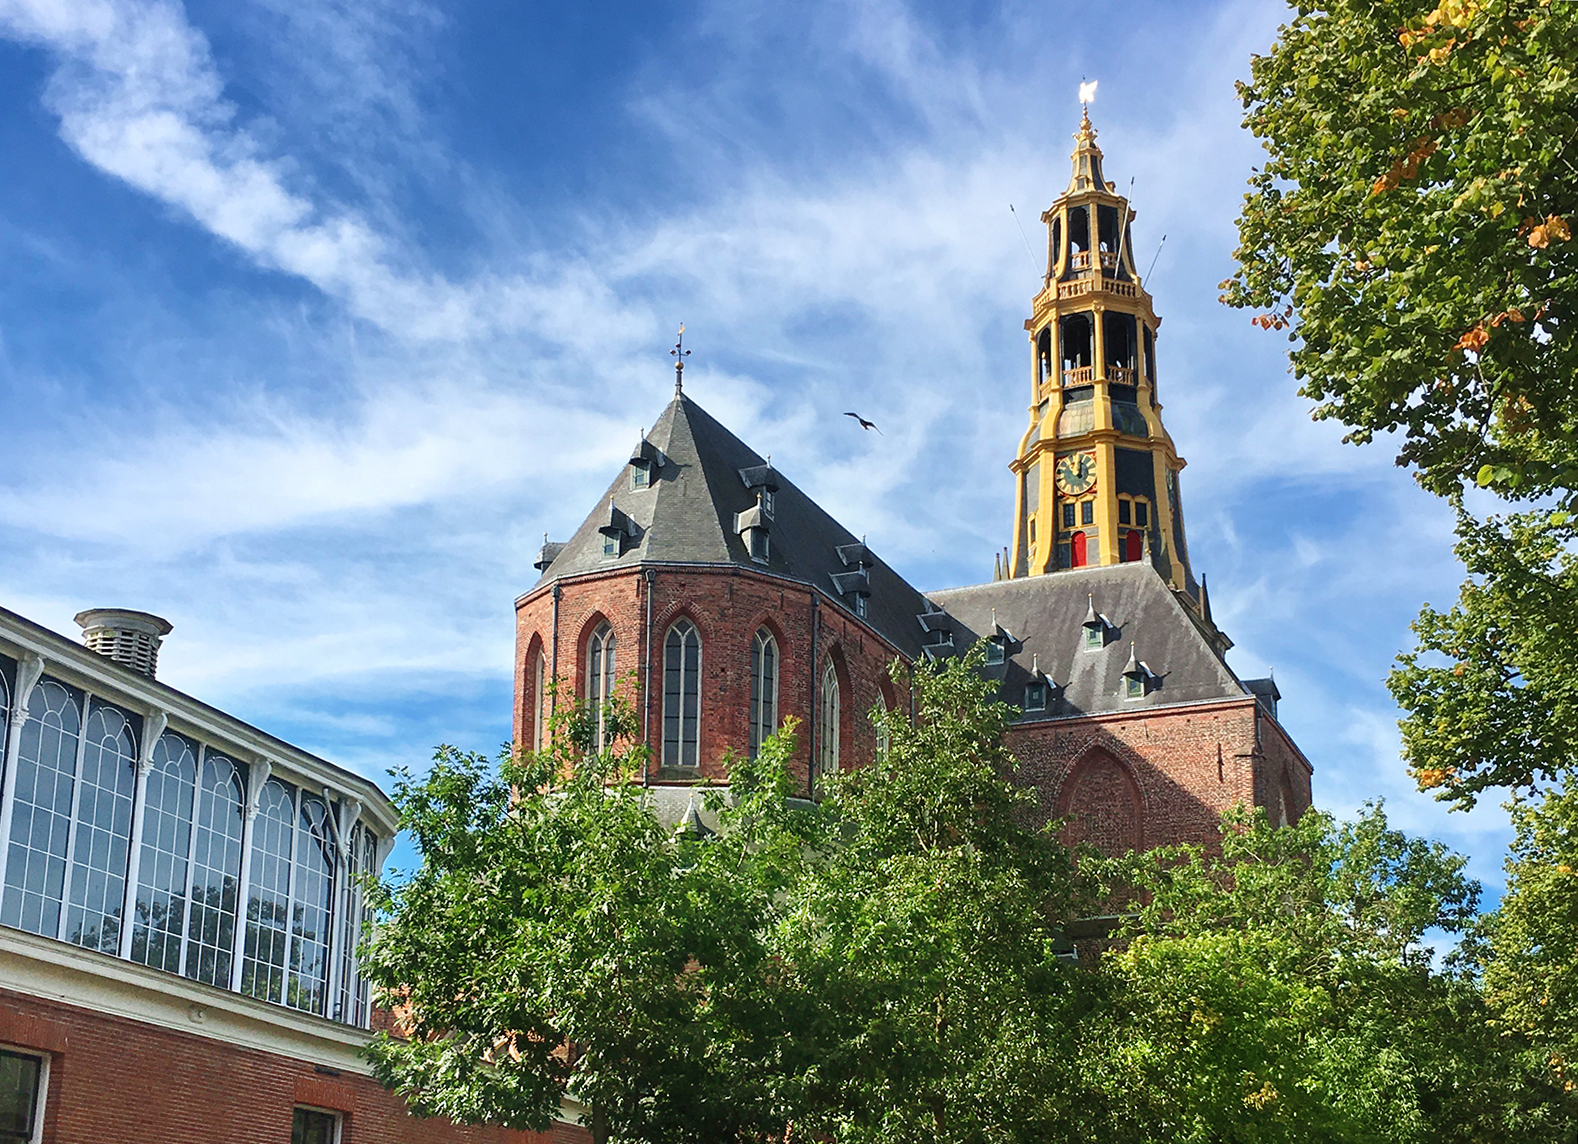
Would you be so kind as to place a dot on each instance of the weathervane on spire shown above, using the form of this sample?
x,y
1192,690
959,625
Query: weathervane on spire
x,y
679,353
1087,96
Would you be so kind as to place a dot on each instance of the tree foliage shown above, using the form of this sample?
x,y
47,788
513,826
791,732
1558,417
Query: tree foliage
x,y
1412,229
892,964
1491,690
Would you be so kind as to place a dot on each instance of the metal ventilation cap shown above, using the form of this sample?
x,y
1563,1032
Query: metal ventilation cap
x,y
129,638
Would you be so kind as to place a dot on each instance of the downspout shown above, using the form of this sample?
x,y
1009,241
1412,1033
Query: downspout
x,y
646,687
553,694
816,679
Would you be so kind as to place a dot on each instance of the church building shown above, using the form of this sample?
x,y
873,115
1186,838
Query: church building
x,y
721,599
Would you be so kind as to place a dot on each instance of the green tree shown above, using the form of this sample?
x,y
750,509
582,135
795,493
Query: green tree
x,y
1412,229
1279,990
929,938
1491,690
1530,952
880,966
559,943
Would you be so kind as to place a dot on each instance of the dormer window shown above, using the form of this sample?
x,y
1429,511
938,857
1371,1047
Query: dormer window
x,y
645,460
751,525
860,606
996,653
1096,628
1138,678
618,529
763,481
1035,697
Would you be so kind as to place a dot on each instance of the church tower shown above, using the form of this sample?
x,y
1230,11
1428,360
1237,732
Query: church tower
x,y
1097,472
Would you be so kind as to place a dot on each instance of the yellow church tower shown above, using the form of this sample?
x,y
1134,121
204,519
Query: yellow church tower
x,y
1097,473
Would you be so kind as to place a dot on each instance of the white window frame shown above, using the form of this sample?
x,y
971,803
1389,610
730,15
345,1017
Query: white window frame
x,y
40,1109
334,1113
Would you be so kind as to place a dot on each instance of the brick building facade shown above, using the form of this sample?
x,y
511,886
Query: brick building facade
x,y
1130,721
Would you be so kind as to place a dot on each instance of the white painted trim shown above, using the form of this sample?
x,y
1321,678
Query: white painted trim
x,y
44,968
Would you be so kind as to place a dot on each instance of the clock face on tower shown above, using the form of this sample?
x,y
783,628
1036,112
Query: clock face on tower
x,y
1075,473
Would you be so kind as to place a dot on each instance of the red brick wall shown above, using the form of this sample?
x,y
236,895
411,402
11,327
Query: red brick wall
x,y
116,1081
1282,780
728,606
1146,778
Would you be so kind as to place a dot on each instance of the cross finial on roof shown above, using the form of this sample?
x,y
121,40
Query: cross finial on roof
x,y
679,353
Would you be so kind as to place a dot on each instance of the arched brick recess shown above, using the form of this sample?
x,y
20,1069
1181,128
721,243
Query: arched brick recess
x,y
1102,803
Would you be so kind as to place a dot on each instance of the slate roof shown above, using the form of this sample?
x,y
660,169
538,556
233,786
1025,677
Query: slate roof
x,y
1046,616
689,514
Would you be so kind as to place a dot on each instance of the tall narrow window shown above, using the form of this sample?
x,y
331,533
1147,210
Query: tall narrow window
x,y
159,914
307,978
827,721
884,739
108,781
600,679
268,896
539,734
216,871
681,695
46,767
764,689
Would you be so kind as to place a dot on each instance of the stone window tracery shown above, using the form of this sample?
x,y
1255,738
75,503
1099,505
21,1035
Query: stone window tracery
x,y
827,721
600,680
764,689
681,695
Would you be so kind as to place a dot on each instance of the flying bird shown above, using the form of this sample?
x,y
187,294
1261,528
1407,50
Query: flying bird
x,y
864,424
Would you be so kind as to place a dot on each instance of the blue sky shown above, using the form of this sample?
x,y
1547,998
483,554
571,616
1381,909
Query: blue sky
x,y
315,316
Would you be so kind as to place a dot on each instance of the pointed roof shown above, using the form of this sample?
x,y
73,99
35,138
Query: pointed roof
x,y
703,495
1133,601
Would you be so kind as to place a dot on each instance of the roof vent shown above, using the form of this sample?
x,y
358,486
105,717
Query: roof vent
x,y
131,639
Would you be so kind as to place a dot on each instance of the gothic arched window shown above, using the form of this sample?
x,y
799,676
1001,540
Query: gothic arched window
x,y
216,870
600,679
539,730
764,689
102,840
681,695
827,721
159,914
884,738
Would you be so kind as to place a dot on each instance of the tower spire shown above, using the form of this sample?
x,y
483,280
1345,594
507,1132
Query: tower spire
x,y
1097,470
679,353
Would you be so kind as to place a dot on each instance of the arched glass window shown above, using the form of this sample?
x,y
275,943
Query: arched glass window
x,y
307,984
764,689
102,839
600,678
216,871
827,721
539,731
46,767
681,695
369,867
159,915
884,739
268,895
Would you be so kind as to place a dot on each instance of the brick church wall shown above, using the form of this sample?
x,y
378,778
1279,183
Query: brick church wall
x,y
728,606
1150,778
